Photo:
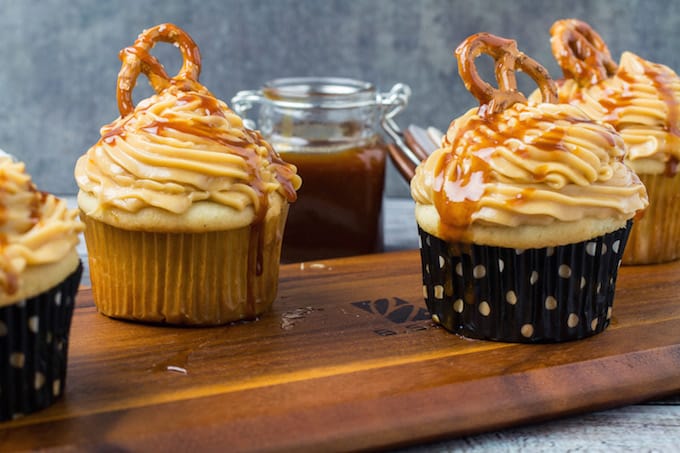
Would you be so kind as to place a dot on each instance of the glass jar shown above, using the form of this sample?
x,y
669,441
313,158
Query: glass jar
x,y
329,129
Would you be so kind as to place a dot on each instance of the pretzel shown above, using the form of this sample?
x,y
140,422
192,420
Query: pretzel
x,y
508,59
137,59
581,52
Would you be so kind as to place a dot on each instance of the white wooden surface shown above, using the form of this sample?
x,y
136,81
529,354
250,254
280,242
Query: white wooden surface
x,y
652,426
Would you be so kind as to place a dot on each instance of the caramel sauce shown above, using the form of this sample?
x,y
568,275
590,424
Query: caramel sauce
x,y
671,167
338,210
461,175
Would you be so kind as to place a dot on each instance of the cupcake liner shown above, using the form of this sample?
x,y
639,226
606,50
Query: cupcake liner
x,y
184,278
34,336
531,296
655,238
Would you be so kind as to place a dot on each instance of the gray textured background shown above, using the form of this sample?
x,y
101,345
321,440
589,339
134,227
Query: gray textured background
x,y
60,58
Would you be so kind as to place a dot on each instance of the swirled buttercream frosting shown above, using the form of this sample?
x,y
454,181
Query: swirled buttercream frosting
x,y
528,165
36,229
179,148
181,155
642,101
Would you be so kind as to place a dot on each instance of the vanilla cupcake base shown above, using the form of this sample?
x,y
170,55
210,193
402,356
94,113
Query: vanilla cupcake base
x,y
205,278
655,237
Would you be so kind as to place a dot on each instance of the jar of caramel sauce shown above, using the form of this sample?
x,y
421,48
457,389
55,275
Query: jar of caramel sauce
x,y
329,128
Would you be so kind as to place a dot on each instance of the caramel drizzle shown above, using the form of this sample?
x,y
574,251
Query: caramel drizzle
x,y
136,59
583,56
461,175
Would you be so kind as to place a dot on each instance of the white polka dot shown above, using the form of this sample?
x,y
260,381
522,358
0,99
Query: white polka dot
x,y
484,308
435,319
17,416
458,305
616,245
583,282
3,329
593,324
511,297
425,291
591,248
519,251
439,292
33,324
459,269
599,287
56,387
533,278
479,271
604,248
572,320
611,281
427,241
618,264
564,271
21,303
550,251
427,268
17,359
609,313
550,303
48,337
38,381
57,298
420,242
442,261
527,330
501,265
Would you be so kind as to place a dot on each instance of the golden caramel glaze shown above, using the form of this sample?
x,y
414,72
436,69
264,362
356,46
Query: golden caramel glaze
x,y
36,229
507,60
525,166
581,52
178,148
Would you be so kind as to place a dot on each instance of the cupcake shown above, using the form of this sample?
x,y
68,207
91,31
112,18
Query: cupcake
x,y
641,100
39,277
184,206
523,211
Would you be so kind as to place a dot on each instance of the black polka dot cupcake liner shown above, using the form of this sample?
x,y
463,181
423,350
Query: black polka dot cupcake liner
x,y
34,336
531,296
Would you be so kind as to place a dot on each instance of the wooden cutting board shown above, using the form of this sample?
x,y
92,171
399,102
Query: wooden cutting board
x,y
347,359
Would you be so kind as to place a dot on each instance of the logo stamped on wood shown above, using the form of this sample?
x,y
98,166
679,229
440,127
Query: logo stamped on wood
x,y
397,311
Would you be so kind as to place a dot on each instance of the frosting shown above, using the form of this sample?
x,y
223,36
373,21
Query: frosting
x,y
36,228
179,148
531,164
179,152
642,101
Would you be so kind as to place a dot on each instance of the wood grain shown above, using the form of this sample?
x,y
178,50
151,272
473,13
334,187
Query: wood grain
x,y
346,360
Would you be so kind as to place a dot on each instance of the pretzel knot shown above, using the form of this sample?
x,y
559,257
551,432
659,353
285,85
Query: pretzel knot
x,y
137,59
581,52
507,60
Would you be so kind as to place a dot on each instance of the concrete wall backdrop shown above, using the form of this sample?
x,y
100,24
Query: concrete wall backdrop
x,y
59,58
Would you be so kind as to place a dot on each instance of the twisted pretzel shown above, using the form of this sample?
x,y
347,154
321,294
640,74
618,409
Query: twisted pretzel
x,y
137,59
581,52
507,60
